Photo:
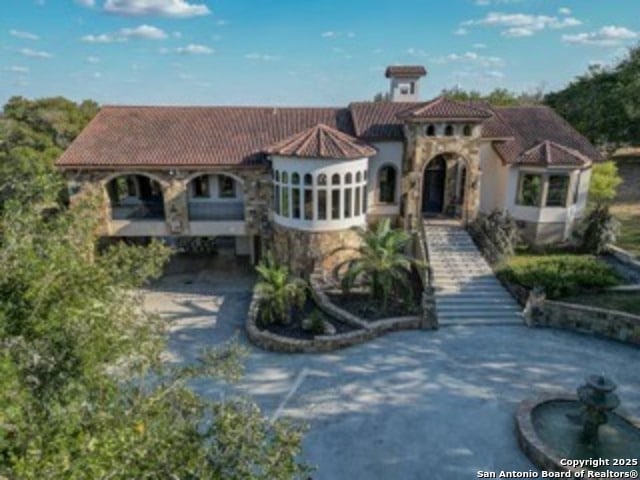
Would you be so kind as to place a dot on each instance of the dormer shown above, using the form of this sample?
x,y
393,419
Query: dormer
x,y
405,82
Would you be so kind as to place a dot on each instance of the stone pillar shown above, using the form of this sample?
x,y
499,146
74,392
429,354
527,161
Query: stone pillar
x,y
534,309
429,312
176,206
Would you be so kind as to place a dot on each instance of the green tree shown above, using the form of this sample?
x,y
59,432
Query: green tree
x,y
382,97
33,134
83,390
279,292
604,182
499,97
381,262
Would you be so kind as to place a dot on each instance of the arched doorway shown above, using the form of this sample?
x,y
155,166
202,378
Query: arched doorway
x,y
433,186
135,197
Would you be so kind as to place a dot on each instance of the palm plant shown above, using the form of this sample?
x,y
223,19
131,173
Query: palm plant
x,y
381,262
279,292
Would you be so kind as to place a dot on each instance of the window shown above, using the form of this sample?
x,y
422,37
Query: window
x,y
335,179
295,179
347,202
322,180
576,190
467,131
387,184
357,207
308,179
358,177
412,87
308,204
322,204
277,200
558,189
285,201
227,186
201,187
431,131
529,190
348,179
448,131
364,199
285,177
295,199
335,204
277,176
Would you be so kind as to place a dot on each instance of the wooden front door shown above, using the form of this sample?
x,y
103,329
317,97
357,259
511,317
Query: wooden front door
x,y
433,186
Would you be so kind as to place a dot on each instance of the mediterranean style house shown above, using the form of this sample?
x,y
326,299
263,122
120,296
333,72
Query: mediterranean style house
x,y
295,180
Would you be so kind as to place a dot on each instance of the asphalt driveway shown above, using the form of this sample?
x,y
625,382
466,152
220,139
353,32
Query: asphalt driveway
x,y
411,405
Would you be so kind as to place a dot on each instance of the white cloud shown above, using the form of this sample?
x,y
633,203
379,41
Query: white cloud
x,y
143,32
522,24
260,56
415,52
166,8
147,32
222,23
479,46
328,34
92,60
332,34
16,69
27,52
564,11
23,35
609,36
195,49
86,3
461,31
472,58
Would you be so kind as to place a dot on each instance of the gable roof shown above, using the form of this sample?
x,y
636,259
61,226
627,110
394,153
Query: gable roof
x,y
378,120
444,108
551,154
322,141
191,136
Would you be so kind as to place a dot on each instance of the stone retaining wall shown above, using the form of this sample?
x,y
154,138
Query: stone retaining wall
x,y
625,257
619,326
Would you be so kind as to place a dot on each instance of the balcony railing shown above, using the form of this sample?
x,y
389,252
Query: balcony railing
x,y
145,210
216,211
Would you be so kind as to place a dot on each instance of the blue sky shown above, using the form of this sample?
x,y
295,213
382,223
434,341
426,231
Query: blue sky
x,y
298,52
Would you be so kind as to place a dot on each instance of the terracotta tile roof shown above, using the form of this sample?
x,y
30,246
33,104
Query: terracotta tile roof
x,y
191,136
378,120
551,154
445,108
322,141
537,124
410,71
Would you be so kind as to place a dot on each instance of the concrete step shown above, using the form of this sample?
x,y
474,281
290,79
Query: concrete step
x,y
504,315
473,302
480,322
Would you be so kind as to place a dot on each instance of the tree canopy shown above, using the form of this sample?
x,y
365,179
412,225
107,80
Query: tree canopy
x,y
499,97
604,103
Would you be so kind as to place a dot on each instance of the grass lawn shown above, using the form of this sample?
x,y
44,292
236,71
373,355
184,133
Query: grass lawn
x,y
629,216
560,275
624,302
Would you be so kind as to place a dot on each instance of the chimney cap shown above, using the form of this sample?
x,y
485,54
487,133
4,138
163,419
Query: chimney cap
x,y
406,71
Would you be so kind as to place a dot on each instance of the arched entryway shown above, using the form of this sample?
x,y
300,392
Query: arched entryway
x,y
433,186
135,197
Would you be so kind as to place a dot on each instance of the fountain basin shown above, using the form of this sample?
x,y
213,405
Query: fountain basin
x,y
549,439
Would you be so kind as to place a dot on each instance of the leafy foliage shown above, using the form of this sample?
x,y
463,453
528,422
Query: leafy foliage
x,y
279,292
497,233
33,134
381,262
83,391
499,97
600,229
559,275
604,182
604,103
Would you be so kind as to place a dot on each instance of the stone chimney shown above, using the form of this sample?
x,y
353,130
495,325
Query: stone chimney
x,y
405,82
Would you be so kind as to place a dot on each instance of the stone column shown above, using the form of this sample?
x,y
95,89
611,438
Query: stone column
x,y
176,206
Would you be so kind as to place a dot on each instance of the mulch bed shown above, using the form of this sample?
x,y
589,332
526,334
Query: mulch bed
x,y
361,305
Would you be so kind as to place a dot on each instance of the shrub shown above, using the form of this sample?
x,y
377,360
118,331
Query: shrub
x,y
279,292
317,325
599,229
497,234
559,275
604,182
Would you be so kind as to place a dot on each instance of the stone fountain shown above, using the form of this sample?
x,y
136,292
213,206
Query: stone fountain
x,y
562,433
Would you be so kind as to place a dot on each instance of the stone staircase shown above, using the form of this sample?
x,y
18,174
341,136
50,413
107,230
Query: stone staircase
x,y
467,291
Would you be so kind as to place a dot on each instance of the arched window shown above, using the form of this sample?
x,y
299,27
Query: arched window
x,y
322,180
467,131
431,131
285,177
308,179
277,176
387,184
348,178
448,131
295,179
358,177
335,179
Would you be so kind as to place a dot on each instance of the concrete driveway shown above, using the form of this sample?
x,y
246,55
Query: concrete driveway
x,y
411,405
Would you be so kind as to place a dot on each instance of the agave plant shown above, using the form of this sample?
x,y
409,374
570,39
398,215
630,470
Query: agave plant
x,y
381,262
279,292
